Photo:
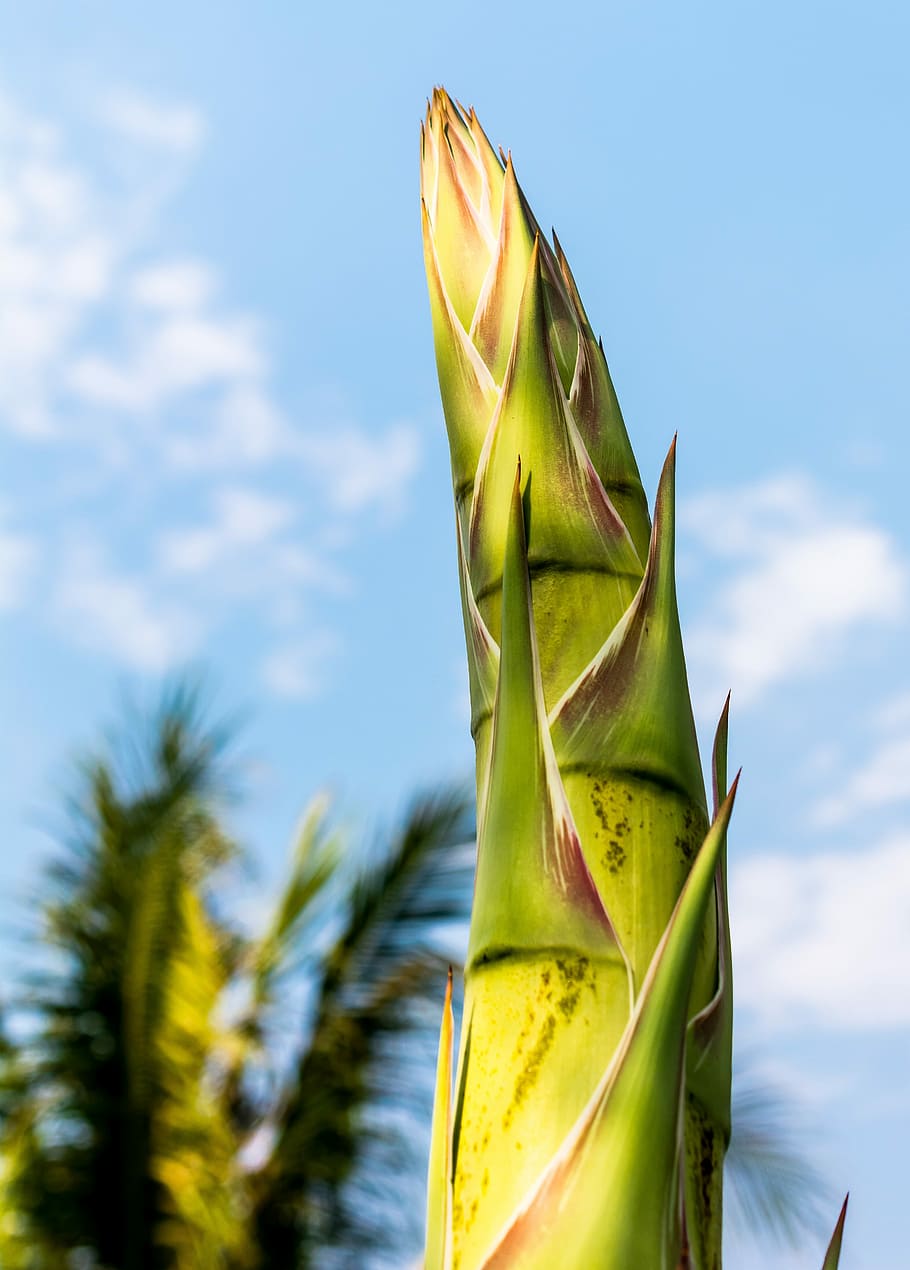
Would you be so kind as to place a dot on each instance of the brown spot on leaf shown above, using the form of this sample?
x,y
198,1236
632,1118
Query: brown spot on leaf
x,y
528,1076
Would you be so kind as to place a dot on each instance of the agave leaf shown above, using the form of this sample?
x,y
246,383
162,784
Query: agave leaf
x,y
467,161
499,300
483,668
461,238
561,318
533,885
625,740
600,422
574,529
488,159
632,701
546,983
623,1152
439,1180
469,395
709,1065
832,1256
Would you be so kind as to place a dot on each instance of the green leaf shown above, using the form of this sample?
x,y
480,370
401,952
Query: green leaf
x,y
610,1196
600,422
625,742
832,1256
583,563
483,669
533,885
439,1178
313,865
629,710
498,304
469,395
464,244
547,988
709,1065
491,167
483,651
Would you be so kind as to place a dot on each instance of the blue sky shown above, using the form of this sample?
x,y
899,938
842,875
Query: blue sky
x,y
222,445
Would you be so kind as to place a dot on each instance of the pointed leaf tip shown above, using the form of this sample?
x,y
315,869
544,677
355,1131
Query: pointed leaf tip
x,y
719,754
574,525
629,709
533,884
733,788
832,1256
439,1181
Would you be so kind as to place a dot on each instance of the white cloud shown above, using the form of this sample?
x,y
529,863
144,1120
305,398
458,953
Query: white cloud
x,y
120,615
52,193
182,354
173,285
188,352
22,130
301,566
298,670
173,127
66,246
804,577
360,470
57,255
882,779
244,554
143,383
895,713
244,518
245,428
17,557
825,939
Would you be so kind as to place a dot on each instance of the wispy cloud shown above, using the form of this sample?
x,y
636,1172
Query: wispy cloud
x,y
825,939
173,285
181,354
799,576
878,779
300,670
895,713
248,554
146,399
18,554
244,429
361,471
56,263
243,518
176,127
120,615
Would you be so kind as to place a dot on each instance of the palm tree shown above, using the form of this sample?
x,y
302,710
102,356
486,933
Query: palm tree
x,y
167,1108
134,959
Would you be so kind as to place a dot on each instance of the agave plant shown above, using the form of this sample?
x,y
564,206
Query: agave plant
x,y
592,1104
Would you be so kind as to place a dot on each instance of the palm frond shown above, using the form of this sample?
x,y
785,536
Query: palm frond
x,y
313,865
775,1191
373,1027
193,1149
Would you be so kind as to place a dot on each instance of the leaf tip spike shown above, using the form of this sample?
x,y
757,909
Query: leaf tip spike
x,y
832,1255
